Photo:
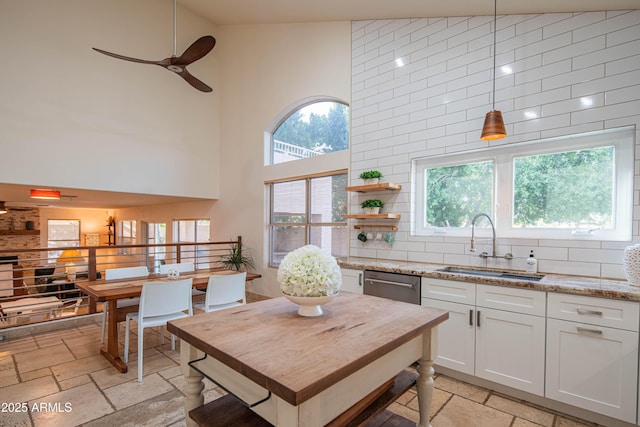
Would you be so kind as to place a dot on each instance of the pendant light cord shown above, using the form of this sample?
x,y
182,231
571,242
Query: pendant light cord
x,y
495,18
175,25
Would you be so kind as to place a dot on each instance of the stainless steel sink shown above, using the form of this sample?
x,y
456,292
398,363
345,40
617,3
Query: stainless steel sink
x,y
491,273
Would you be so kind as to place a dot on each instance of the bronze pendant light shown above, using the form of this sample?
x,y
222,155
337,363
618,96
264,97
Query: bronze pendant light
x,y
493,127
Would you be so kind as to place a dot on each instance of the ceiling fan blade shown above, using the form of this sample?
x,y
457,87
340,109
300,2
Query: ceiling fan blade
x,y
197,50
126,58
194,81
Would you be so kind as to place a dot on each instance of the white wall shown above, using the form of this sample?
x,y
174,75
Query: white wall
x,y
266,70
72,117
436,104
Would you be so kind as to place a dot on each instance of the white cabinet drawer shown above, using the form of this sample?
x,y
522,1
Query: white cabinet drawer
x,y
525,301
449,290
594,311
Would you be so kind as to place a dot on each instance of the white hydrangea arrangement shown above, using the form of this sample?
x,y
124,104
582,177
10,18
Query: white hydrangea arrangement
x,y
309,272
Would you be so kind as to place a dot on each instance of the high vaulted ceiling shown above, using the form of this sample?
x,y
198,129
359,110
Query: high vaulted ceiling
x,y
228,12
232,12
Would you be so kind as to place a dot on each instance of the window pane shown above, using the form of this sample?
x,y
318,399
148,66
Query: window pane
x,y
62,233
572,189
313,130
284,240
64,229
192,230
202,230
332,239
289,202
454,194
328,199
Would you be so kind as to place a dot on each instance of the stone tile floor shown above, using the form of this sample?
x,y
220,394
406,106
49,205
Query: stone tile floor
x,y
64,381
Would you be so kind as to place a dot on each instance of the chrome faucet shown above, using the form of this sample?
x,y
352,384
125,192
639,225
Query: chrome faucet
x,y
508,255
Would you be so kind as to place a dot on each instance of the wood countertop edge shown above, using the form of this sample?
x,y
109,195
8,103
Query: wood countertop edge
x,y
281,390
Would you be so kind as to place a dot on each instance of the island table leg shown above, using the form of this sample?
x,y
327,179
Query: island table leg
x,y
193,389
425,379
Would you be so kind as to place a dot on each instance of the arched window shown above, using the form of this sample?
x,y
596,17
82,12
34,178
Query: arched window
x,y
314,129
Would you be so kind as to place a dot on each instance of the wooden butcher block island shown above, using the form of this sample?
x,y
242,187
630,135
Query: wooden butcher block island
x,y
307,371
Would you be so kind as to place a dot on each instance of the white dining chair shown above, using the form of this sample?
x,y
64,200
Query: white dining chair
x,y
224,291
159,303
121,273
182,267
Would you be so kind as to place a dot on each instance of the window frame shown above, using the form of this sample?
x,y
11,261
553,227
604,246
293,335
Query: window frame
x,y
308,224
129,239
623,140
269,136
54,254
189,252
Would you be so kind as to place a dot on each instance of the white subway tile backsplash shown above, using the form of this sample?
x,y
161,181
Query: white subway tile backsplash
x,y
436,104
525,126
622,65
571,22
627,94
455,26
596,255
428,257
535,22
629,34
611,24
604,56
573,77
570,268
612,271
604,113
576,50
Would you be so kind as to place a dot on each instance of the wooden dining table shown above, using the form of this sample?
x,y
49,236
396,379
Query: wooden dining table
x,y
306,371
113,290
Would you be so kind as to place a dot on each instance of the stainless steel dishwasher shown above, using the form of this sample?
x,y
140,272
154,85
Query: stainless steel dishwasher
x,y
395,286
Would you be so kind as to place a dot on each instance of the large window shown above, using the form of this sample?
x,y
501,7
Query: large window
x,y
312,130
308,211
62,233
155,234
127,232
572,187
192,231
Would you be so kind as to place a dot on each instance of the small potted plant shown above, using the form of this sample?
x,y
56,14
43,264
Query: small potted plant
x,y
371,177
237,258
372,206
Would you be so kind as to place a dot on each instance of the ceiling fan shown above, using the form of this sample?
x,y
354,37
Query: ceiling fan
x,y
4,208
178,64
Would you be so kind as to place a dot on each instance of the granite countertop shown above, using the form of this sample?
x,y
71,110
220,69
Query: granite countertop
x,y
589,286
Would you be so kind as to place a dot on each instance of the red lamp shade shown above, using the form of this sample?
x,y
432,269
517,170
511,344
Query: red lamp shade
x,y
45,194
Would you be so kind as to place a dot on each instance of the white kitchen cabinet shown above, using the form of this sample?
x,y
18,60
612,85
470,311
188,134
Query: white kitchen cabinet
x,y
493,332
510,349
592,354
456,336
351,280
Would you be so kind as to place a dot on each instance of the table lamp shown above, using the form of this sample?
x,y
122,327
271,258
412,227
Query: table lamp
x,y
68,258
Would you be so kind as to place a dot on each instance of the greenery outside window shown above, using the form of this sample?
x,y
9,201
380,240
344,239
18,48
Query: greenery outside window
x,y
572,187
308,210
312,130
